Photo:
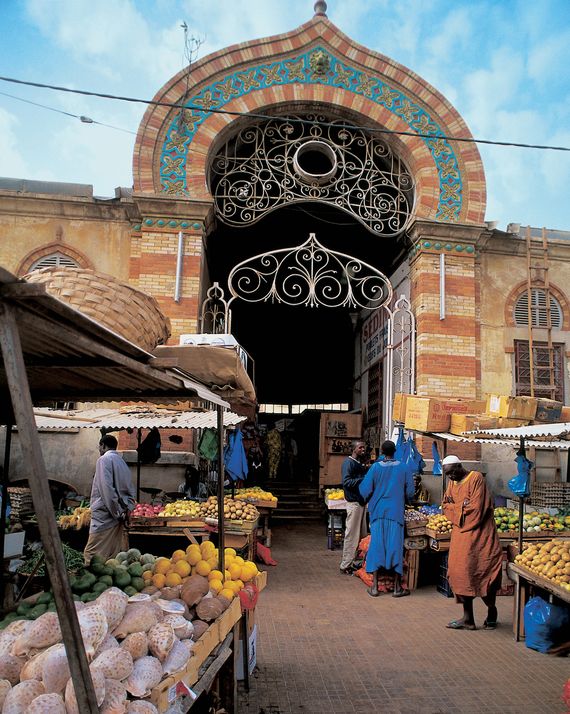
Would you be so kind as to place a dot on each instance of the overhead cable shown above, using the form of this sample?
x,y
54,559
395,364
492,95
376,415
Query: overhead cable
x,y
252,115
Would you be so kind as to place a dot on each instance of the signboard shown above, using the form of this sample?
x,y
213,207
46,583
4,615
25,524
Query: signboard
x,y
374,338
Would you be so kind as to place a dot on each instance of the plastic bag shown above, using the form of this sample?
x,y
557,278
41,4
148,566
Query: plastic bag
x,y
149,449
545,624
208,444
520,484
436,460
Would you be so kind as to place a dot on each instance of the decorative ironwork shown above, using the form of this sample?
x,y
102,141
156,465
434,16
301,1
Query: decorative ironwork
x,y
286,160
309,275
215,317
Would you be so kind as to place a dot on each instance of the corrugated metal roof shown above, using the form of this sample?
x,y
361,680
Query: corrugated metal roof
x,y
116,420
559,430
504,441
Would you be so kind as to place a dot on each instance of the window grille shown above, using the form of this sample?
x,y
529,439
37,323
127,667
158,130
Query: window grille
x,y
541,370
55,260
538,310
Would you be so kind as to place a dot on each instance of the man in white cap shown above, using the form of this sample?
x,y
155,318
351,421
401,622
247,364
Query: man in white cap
x,y
475,556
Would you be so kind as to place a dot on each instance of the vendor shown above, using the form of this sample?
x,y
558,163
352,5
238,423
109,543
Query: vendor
x,y
421,495
112,499
190,487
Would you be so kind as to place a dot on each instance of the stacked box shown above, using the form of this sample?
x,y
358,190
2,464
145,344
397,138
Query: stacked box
x,y
433,414
555,494
442,583
461,423
501,405
335,531
20,501
548,411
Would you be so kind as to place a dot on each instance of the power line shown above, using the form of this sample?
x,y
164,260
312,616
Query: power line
x,y
212,110
83,119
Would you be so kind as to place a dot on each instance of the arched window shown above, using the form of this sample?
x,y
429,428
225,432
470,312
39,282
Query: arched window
x,y
54,260
538,310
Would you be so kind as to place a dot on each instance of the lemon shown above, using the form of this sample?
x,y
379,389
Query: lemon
x,y
203,568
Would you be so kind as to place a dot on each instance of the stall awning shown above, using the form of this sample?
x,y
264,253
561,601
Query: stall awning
x,y
56,420
557,431
504,441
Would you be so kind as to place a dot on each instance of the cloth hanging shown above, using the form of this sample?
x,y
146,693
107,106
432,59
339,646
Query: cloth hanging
x,y
235,460
437,471
149,449
208,444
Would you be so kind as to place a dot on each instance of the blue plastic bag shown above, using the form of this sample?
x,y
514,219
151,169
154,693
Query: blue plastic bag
x,y
520,484
415,460
436,460
546,625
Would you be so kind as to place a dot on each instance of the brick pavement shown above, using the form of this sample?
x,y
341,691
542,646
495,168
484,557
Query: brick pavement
x,y
326,646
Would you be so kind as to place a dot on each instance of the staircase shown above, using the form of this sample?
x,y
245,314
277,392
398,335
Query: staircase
x,y
296,501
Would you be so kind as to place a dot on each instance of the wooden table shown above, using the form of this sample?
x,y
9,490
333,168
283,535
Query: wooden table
x,y
526,581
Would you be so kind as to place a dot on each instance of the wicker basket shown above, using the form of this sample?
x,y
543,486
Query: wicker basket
x,y
130,313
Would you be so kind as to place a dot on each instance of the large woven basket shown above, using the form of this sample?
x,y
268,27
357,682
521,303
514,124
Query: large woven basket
x,y
131,313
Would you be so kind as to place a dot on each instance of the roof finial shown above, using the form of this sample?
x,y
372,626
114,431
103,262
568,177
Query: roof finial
x,y
321,8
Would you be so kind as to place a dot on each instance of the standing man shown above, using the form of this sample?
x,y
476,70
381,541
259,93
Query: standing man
x,y
386,487
112,499
475,556
353,471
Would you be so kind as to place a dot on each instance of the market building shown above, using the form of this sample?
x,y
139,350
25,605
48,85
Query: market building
x,y
309,148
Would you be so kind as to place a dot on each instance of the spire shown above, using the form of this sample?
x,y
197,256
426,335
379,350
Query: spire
x,y
320,8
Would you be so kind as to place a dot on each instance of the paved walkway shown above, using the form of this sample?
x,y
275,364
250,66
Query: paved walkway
x,y
326,646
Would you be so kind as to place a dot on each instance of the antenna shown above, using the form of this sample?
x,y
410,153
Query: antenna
x,y
191,47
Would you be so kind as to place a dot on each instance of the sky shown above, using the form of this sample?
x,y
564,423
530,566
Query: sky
x,y
503,64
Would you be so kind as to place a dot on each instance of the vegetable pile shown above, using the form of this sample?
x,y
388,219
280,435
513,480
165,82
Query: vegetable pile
x,y
73,560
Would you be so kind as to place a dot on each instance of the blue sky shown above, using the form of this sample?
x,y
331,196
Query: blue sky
x,y
502,64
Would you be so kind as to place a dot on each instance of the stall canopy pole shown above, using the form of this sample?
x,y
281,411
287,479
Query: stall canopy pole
x,y
17,380
221,538
5,478
138,465
521,504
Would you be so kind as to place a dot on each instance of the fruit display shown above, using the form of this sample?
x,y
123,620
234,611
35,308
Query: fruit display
x,y
439,524
131,643
334,494
550,560
413,516
176,509
253,494
430,510
79,518
234,509
146,510
507,520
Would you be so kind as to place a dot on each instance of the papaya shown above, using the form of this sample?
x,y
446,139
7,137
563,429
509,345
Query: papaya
x,y
51,607
88,597
107,579
138,584
97,568
108,570
44,598
24,608
99,587
135,570
130,591
38,610
122,579
133,555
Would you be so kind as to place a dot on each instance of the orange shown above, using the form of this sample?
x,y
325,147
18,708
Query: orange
x,y
235,571
216,585
161,565
215,575
147,575
194,557
182,568
227,593
173,579
203,568
177,555
159,580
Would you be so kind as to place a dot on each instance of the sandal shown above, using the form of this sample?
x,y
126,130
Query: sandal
x,y
371,593
401,593
460,625
490,625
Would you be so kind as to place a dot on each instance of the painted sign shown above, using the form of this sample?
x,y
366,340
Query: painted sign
x,y
374,338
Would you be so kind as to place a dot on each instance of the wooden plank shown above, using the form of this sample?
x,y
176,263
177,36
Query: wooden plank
x,y
29,442
22,290
539,581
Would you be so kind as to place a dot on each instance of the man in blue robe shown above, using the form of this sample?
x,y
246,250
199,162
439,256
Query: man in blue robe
x,y
386,487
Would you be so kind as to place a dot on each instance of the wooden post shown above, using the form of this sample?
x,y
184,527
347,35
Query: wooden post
x,y
139,465
17,380
5,477
221,536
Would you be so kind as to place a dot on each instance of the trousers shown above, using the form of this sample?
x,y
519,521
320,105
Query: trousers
x,y
354,531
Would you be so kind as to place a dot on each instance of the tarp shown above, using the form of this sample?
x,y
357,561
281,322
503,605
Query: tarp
x,y
514,442
55,420
218,367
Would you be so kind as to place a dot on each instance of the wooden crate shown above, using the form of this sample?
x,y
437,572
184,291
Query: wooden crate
x,y
264,504
416,542
416,528
184,522
260,580
228,619
138,522
438,545
437,536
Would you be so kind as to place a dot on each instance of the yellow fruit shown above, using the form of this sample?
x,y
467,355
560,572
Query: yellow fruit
x,y
216,585
235,571
227,593
239,560
147,575
203,568
213,561
215,575
227,575
193,547
240,584
177,555
159,580
194,557
206,547
228,559
161,565
253,566
173,579
182,568
229,551
247,573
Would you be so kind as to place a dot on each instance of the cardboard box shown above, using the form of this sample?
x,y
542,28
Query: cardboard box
x,y
434,414
14,544
471,422
548,411
399,408
252,654
501,405
504,423
565,414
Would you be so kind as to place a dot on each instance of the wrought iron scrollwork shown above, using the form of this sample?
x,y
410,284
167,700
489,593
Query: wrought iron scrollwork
x,y
311,158
309,275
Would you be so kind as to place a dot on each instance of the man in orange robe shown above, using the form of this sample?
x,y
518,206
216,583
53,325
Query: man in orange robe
x,y
475,555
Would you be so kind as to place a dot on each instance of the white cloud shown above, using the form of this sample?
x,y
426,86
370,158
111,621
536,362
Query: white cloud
x,y
12,163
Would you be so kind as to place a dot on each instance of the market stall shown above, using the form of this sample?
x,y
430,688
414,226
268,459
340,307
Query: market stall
x,y
53,353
